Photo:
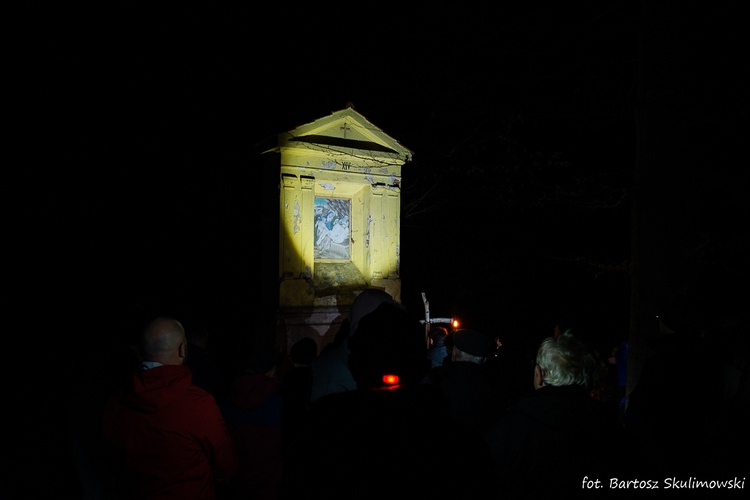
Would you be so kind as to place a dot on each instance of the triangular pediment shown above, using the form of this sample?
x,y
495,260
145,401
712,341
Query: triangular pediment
x,y
345,129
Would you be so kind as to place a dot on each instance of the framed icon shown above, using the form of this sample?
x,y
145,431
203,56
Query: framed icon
x,y
332,231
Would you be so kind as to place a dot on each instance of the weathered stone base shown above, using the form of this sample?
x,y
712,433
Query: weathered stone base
x,y
315,308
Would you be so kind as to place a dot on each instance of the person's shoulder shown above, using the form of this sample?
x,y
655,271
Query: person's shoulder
x,y
526,405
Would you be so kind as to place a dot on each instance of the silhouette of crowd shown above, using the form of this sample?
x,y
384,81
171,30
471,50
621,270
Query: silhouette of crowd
x,y
374,414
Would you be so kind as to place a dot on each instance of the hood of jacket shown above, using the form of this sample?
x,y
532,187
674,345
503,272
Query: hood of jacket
x,y
158,387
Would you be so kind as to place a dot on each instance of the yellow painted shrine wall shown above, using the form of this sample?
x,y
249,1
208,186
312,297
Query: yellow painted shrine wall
x,y
340,156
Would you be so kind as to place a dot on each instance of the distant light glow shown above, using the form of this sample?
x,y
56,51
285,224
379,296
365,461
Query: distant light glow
x,y
390,379
455,323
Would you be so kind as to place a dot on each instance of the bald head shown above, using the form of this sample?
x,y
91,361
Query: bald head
x,y
163,341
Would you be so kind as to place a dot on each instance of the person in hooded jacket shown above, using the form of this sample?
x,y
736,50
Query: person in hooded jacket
x,y
165,437
330,369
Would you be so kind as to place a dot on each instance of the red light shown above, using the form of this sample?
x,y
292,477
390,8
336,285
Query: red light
x,y
390,379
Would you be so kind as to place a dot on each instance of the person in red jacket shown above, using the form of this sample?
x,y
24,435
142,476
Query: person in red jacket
x,y
167,437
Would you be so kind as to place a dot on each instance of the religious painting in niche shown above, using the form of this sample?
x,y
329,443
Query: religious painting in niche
x,y
332,228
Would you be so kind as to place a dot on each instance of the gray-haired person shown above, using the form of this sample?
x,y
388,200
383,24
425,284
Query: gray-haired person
x,y
558,434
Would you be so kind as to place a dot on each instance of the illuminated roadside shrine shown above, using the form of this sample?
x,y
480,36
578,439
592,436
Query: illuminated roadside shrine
x,y
339,221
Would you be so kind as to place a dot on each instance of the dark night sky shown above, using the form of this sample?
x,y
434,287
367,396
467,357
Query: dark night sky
x,y
137,127
140,187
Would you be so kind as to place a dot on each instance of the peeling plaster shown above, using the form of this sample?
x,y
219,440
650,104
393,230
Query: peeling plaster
x,y
367,232
297,217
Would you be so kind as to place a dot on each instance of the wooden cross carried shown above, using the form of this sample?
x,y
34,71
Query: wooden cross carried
x,y
428,321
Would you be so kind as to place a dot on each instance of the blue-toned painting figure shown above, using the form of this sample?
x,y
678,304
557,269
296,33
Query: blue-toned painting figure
x,y
332,228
